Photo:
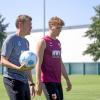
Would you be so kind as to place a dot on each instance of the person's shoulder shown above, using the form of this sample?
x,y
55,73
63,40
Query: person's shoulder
x,y
58,40
45,37
10,37
41,40
26,39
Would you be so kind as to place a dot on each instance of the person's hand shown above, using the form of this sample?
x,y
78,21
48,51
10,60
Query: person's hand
x,y
24,68
69,85
38,89
32,90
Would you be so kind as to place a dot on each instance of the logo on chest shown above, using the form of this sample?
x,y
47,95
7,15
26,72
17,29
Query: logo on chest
x,y
19,43
56,53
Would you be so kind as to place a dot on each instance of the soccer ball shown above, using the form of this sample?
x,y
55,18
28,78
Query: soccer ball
x,y
28,58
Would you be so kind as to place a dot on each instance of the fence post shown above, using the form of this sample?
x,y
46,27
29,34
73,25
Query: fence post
x,y
98,68
70,69
84,71
2,70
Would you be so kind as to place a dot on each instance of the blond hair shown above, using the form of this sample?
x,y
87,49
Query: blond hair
x,y
55,21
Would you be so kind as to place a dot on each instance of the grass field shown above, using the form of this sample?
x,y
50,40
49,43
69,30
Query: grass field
x,y
85,87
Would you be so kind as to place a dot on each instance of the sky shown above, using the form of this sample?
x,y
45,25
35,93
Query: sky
x,y
73,12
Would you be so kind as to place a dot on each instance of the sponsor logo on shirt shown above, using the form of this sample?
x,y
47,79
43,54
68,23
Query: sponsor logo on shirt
x,y
56,53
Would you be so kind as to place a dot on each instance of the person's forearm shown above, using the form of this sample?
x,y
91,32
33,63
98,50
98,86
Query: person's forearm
x,y
30,79
38,74
8,64
38,71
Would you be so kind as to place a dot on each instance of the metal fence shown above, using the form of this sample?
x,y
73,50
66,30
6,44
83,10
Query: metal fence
x,y
76,68
82,68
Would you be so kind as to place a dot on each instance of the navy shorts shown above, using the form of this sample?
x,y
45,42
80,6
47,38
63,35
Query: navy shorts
x,y
53,89
17,90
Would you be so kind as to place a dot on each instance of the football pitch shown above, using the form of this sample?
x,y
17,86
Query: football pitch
x,y
85,87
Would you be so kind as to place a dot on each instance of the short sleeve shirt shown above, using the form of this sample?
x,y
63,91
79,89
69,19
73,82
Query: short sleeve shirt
x,y
12,48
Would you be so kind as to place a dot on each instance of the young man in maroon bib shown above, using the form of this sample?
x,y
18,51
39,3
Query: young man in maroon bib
x,y
49,66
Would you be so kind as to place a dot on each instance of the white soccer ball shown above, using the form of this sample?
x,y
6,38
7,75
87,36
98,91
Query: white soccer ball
x,y
28,58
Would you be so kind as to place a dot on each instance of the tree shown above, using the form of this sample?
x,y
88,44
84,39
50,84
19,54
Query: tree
x,y
93,33
3,34
3,27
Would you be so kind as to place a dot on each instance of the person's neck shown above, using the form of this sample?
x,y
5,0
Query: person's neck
x,y
19,33
50,34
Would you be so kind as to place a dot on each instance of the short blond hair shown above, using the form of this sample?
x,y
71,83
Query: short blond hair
x,y
22,18
55,21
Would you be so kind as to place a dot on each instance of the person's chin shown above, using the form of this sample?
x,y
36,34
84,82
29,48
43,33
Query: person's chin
x,y
57,34
28,32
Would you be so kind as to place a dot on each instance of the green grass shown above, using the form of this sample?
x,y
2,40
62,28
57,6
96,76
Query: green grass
x,y
84,88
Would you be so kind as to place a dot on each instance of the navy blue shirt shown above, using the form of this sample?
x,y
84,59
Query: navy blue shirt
x,y
12,48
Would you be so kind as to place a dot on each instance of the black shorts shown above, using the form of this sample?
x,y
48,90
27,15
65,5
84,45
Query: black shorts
x,y
53,89
17,90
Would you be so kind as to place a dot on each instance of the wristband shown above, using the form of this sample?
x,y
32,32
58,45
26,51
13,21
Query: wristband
x,y
32,84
